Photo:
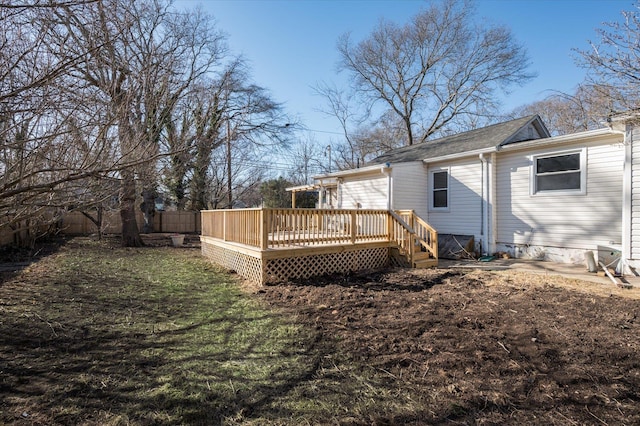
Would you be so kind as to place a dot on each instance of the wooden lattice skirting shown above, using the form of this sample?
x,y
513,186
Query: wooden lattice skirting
x,y
279,265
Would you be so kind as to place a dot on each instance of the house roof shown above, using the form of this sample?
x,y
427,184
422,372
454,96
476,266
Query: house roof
x,y
485,138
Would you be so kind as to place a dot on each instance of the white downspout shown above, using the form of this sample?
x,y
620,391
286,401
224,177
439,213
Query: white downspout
x,y
493,230
485,204
627,194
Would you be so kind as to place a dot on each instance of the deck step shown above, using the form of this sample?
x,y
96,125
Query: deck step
x,y
425,263
421,255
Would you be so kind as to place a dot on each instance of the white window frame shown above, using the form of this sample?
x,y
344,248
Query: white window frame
x,y
432,189
533,190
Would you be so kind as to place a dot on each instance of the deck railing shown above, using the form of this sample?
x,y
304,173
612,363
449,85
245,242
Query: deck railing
x,y
424,233
285,228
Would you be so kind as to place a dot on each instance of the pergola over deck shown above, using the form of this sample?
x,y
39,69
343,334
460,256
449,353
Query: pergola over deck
x,y
272,245
323,187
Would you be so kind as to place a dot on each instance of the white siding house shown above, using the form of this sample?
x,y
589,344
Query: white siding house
x,y
560,224
633,190
514,188
366,191
401,187
409,187
461,211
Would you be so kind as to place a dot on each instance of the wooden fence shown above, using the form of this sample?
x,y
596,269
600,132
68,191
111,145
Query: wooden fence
x,y
168,221
75,223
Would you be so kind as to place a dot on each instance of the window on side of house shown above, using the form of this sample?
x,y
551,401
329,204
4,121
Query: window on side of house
x,y
440,189
559,173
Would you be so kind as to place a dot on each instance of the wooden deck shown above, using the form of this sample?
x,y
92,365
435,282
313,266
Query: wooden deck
x,y
272,245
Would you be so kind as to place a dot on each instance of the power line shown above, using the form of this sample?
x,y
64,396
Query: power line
x,y
323,131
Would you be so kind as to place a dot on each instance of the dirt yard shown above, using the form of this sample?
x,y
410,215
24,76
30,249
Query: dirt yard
x,y
483,347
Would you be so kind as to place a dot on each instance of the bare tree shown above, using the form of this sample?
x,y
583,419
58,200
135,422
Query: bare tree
x,y
614,61
254,118
363,141
340,107
434,70
307,158
149,56
193,134
52,147
586,109
213,134
90,89
246,173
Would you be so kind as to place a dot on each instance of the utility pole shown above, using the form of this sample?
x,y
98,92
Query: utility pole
x,y
229,195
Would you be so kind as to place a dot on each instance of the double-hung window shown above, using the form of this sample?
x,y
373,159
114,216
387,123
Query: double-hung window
x,y
440,189
559,173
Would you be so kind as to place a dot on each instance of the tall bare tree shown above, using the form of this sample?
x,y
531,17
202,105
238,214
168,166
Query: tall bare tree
x,y
193,133
90,89
253,118
434,70
148,57
213,134
52,148
614,60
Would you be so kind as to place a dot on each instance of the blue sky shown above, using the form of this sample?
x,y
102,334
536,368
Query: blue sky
x,y
291,44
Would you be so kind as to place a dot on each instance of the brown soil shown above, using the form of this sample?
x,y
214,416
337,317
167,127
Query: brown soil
x,y
482,347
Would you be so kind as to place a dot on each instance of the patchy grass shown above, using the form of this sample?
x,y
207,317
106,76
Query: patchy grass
x,y
99,334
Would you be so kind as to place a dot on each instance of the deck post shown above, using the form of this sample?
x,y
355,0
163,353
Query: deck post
x,y
434,243
264,228
412,237
412,247
224,226
353,226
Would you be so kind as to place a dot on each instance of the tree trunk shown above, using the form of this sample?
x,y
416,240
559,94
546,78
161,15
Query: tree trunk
x,y
130,233
97,221
148,208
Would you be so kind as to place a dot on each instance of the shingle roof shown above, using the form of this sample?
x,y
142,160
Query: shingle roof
x,y
473,140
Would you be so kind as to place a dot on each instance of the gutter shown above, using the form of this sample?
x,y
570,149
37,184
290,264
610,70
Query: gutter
x,y
620,125
464,154
380,168
387,171
556,140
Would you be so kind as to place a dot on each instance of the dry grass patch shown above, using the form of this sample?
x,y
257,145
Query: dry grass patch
x,y
99,334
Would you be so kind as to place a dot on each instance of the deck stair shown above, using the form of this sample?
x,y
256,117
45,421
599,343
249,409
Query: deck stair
x,y
424,260
419,247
